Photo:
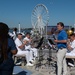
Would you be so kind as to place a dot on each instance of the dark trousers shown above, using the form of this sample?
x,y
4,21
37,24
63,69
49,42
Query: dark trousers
x,y
6,68
7,72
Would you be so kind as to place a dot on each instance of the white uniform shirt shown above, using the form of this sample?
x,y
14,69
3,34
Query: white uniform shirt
x,y
14,35
18,43
10,34
73,46
28,46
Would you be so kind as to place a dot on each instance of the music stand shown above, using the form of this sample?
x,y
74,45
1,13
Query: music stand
x,y
40,52
50,43
40,43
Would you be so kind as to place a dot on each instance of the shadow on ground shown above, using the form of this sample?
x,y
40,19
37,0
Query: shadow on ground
x,y
22,73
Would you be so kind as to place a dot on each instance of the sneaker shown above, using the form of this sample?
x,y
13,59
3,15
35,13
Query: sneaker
x,y
29,64
70,64
19,63
32,60
14,73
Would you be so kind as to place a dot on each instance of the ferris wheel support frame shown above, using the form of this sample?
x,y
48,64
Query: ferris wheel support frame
x,y
45,20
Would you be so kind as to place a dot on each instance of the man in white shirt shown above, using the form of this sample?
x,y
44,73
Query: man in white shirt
x,y
21,49
14,33
71,49
71,46
28,45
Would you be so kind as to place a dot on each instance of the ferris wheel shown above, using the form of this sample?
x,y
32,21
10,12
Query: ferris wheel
x,y
40,17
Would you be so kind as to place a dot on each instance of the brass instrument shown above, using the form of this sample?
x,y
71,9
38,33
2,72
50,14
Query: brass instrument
x,y
69,32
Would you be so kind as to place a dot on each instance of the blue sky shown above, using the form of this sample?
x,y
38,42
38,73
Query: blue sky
x,y
14,11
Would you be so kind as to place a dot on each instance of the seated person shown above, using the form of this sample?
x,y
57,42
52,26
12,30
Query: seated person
x,y
28,45
21,49
71,48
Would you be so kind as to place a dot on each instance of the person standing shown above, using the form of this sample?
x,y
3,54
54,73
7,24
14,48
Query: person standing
x,y
7,49
62,49
14,33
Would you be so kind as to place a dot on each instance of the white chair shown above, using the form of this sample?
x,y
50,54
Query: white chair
x,y
71,57
22,57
